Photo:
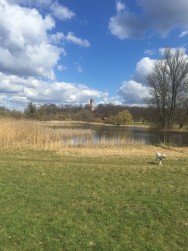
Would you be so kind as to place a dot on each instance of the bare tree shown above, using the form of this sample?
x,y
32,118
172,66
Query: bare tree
x,y
169,86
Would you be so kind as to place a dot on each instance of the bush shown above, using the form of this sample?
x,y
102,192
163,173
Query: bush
x,y
123,118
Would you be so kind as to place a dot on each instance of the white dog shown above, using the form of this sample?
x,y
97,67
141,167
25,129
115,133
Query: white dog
x,y
160,157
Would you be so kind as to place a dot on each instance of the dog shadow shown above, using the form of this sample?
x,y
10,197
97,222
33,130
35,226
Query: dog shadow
x,y
152,163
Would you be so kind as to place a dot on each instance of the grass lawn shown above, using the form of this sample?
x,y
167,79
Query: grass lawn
x,y
75,203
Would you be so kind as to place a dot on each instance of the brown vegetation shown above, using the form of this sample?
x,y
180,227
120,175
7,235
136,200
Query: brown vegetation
x,y
34,134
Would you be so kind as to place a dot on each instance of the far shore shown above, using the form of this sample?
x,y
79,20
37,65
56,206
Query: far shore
x,y
134,125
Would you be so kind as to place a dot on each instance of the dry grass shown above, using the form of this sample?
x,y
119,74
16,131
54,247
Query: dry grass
x,y
34,135
125,150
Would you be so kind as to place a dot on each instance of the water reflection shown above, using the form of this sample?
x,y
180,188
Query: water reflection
x,y
117,134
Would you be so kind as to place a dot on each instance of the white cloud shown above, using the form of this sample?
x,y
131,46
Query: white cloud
x,y
23,90
120,6
57,37
61,12
61,67
149,52
133,92
111,100
76,40
30,51
54,7
3,97
38,3
28,46
173,51
26,51
22,101
183,33
136,91
155,17
61,92
143,68
126,25
13,102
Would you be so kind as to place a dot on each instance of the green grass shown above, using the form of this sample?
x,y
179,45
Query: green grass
x,y
51,202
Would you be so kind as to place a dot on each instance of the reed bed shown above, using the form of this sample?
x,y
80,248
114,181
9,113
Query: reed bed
x,y
34,135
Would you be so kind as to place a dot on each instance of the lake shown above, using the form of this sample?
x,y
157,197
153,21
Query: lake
x,y
116,134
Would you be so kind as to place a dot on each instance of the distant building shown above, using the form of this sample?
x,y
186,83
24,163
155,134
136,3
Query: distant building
x,y
92,104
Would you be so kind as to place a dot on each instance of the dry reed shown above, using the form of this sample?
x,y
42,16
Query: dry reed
x,y
34,135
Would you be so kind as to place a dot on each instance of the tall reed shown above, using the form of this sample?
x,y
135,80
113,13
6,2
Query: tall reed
x,y
34,135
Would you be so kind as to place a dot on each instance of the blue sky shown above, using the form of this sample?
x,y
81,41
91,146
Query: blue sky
x,y
68,51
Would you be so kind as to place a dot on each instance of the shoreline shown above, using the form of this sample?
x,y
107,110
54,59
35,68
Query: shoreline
x,y
144,126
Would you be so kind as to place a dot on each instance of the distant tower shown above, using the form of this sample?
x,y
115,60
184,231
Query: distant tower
x,y
92,104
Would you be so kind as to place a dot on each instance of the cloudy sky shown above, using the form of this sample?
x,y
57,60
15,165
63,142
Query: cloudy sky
x,y
67,51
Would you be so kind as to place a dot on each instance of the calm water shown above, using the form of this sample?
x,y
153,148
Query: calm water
x,y
129,134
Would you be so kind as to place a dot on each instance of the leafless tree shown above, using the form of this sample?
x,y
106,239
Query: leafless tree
x,y
169,87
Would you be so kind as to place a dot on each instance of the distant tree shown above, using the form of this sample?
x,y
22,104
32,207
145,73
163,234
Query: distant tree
x,y
169,86
108,110
16,114
182,113
84,115
6,113
123,118
31,111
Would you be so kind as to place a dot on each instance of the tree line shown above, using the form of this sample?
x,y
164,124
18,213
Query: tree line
x,y
104,113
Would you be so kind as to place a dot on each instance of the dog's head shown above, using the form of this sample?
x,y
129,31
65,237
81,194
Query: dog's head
x,y
163,156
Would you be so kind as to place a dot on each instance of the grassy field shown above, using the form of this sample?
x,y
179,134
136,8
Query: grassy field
x,y
78,199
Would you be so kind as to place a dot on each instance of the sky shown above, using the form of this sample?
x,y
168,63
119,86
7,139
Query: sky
x,y
69,51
